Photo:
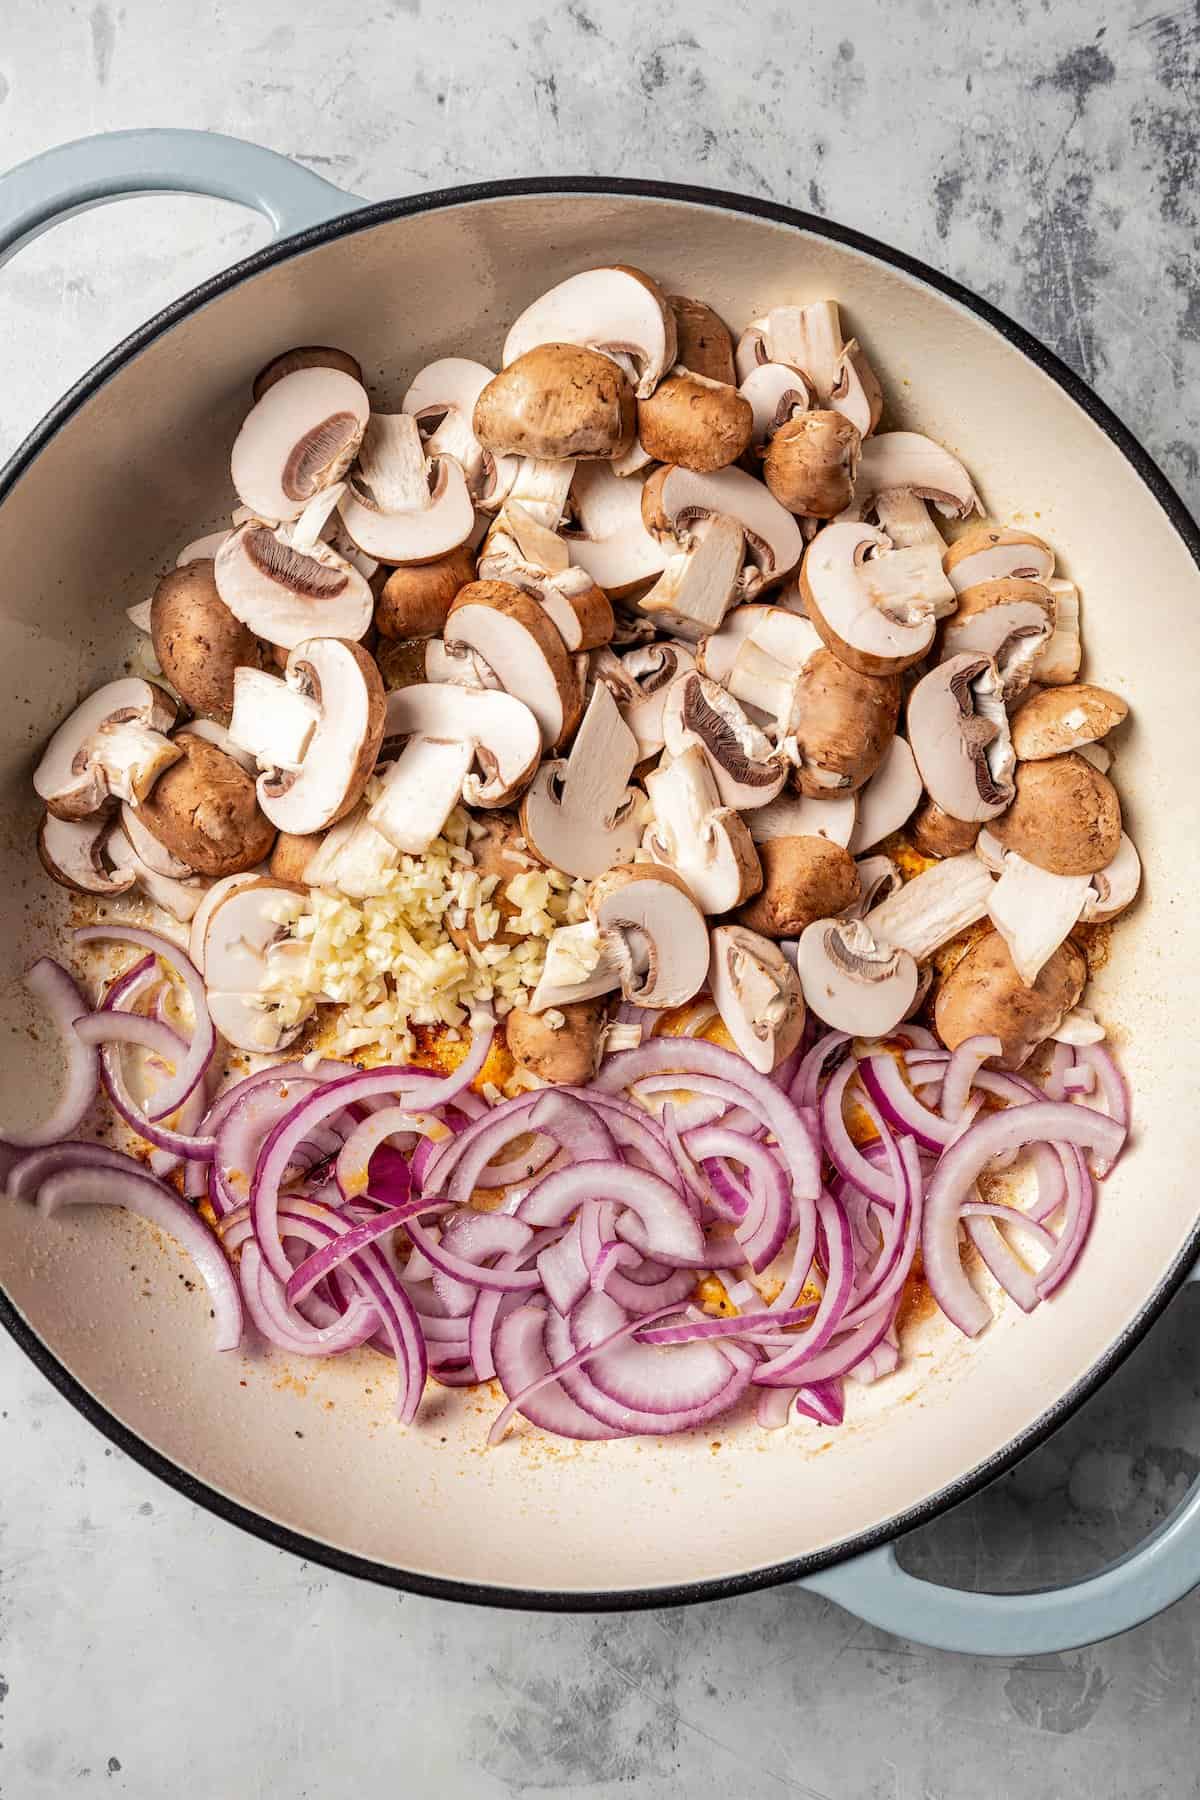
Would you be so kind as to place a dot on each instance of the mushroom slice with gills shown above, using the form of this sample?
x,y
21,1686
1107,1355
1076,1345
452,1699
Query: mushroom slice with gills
x,y
933,907
662,939
442,397
503,734
803,879
984,996
1034,911
1065,817
879,878
852,982
1115,886
776,394
1061,719
415,599
747,769
758,995
935,833
305,356
178,898
522,647
702,340
156,856
72,852
695,422
607,534
988,552
420,790
699,585
344,746
906,462
273,719
613,309
240,932
841,725
457,665
213,896
581,963
678,504
810,338
214,733
521,551
1058,664
1009,620
959,735
400,506
811,462
113,746
875,607
301,436
284,594
886,802
799,815
197,640
580,815
652,669
692,833
557,401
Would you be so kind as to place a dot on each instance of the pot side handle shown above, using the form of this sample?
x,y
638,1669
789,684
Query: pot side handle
x,y
1134,1588
95,170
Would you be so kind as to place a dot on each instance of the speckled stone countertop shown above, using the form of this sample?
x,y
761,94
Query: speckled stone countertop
x,y
1049,162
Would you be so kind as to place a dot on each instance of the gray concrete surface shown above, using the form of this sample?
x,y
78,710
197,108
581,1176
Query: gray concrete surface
x,y
1049,161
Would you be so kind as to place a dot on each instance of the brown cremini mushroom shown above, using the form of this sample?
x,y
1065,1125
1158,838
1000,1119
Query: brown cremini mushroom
x,y
557,401
306,356
1061,719
617,310
935,833
811,462
841,726
694,422
984,996
198,641
803,879
702,340
562,1045
204,809
1066,817
415,599
1008,619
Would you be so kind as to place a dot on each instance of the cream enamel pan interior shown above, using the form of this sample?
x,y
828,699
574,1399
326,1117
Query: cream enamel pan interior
x,y
312,1455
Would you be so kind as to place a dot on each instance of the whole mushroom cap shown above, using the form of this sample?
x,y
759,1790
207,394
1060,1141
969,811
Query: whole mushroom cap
x,y
811,462
694,422
1061,719
416,598
557,401
198,641
984,996
935,833
1066,816
843,724
566,1051
804,879
205,810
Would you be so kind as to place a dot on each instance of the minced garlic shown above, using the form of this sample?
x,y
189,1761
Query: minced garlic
x,y
388,962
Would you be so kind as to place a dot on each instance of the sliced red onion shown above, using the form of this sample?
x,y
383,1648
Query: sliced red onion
x,y
671,1229
1062,1058
476,1274
633,1294
839,1284
883,1360
897,1254
460,1166
822,1401
961,1071
60,994
764,1229
840,1147
268,1308
639,1375
982,1220
883,1080
1051,1183
178,1144
1079,1079
530,1383
243,1127
772,1407
138,1192
330,1256
806,1085
961,1164
351,1171
639,1369
1081,1200
1114,1092
203,1042
187,1123
838,1358
564,1274
29,1171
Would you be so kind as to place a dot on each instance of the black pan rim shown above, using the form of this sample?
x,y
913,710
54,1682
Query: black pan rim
x,y
281,1537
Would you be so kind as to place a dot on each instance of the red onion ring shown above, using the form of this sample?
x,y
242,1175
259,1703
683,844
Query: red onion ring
x,y
203,1043
60,994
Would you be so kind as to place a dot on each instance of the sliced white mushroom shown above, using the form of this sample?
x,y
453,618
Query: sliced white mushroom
x,y
541,489
503,735
678,504
888,799
799,815
1060,659
212,898
1009,620
152,852
239,934
520,550
607,534
907,462
285,594
613,310
879,878
213,733
959,734
273,720
353,857
581,962
700,584
443,398
420,790
659,932
201,549
1034,911
581,815
768,666
652,669
522,647
933,907
758,995
810,338
342,750
991,552
706,843
402,506
113,745
179,898
853,982
747,769
776,394
73,853
139,615
875,607
1114,887
300,437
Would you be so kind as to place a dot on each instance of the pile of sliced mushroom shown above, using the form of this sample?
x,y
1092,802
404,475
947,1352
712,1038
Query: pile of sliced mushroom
x,y
674,619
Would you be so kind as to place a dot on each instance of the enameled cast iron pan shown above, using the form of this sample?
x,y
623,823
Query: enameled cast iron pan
x,y
134,461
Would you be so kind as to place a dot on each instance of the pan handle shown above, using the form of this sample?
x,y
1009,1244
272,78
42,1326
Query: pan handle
x,y
95,170
1134,1588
